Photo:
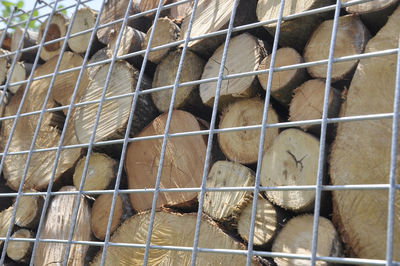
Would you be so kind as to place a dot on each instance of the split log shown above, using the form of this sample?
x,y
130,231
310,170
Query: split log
x,y
18,74
57,29
29,211
242,146
57,226
351,38
283,82
178,13
183,162
170,230
266,222
296,32
20,251
166,74
30,39
361,152
212,16
292,159
245,53
296,238
308,102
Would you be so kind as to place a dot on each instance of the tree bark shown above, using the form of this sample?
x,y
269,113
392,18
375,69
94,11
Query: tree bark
x,y
242,146
18,74
30,39
57,29
20,251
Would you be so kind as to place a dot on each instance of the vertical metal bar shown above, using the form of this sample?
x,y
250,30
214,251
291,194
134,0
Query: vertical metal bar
x,y
322,146
3,36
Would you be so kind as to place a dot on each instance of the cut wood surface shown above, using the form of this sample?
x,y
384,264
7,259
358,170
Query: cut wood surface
x,y
100,55
7,40
178,13
170,230
100,174
296,238
3,66
265,224
283,82
292,160
28,211
351,38
183,162
166,74
245,53
57,225
361,152
30,39
242,146
20,251
18,74
57,29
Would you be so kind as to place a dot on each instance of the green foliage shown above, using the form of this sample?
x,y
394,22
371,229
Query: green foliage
x,y
9,6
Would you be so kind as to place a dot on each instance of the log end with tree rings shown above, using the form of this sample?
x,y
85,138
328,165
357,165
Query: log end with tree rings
x,y
57,29
85,19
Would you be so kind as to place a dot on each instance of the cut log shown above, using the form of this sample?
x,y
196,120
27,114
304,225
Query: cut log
x,y
242,146
226,206
146,5
170,230
283,82
57,29
245,53
361,152
7,40
57,225
291,160
30,39
351,38
266,222
18,74
212,16
178,13
101,172
5,220
20,251
308,102
3,66
166,32
29,211
166,74
183,162
296,238
296,32
100,55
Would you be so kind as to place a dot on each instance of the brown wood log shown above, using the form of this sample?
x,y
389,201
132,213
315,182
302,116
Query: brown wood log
x,y
245,53
57,226
29,211
171,230
351,38
296,32
7,40
242,146
283,82
296,238
292,159
183,163
100,55
3,66
30,39
361,152
166,74
18,74
20,251
57,29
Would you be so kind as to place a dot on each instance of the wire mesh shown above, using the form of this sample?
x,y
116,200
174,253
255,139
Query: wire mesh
x,y
336,9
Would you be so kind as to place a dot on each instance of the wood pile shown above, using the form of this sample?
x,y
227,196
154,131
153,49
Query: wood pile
x,y
352,223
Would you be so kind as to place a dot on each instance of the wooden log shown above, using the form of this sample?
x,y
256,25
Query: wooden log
x,y
7,40
166,74
242,146
245,53
30,39
178,13
296,238
18,74
166,32
57,226
3,66
20,251
5,221
296,32
100,174
100,55
172,230
292,159
266,222
57,29
283,82
351,39
29,211
183,162
361,152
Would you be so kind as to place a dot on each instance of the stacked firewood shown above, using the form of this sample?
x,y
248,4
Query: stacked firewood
x,y
352,223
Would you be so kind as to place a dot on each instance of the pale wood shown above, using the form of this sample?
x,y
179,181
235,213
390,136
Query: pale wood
x,y
171,230
57,29
166,74
351,38
100,174
245,53
3,66
100,55
283,82
18,74
57,225
178,13
20,251
361,152
242,146
291,160
296,32
296,238
30,39
5,221
29,211
266,222
183,163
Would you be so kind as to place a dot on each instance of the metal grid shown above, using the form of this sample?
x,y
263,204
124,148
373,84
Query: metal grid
x,y
319,187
